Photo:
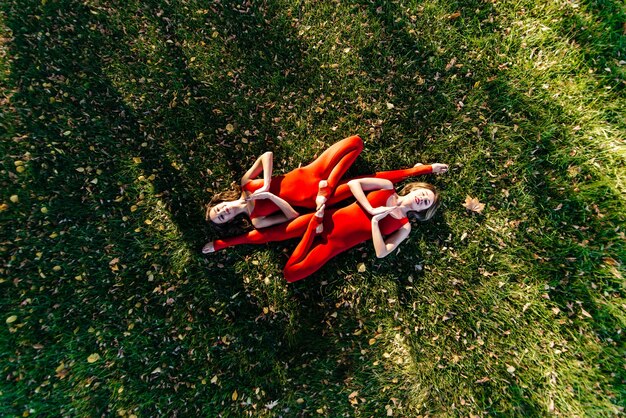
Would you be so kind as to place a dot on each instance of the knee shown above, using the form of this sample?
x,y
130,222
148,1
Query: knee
x,y
356,143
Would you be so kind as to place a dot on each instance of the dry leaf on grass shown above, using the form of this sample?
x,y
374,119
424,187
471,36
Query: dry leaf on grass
x,y
93,358
473,204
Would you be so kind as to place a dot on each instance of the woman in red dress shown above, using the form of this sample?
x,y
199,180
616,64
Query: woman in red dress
x,y
382,216
271,200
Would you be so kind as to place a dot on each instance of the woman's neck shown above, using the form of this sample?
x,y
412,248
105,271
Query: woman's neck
x,y
397,201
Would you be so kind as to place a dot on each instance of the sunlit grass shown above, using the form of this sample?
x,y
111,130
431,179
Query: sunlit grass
x,y
121,119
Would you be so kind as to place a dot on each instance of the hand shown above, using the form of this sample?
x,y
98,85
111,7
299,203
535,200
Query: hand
x,y
259,195
263,189
208,248
378,217
439,168
382,210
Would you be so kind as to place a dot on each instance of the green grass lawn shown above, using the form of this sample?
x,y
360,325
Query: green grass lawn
x,y
120,119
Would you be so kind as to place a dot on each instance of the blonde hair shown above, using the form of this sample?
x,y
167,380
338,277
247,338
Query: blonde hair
x,y
426,214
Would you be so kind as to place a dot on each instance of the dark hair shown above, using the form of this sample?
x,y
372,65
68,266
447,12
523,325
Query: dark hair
x,y
425,214
236,226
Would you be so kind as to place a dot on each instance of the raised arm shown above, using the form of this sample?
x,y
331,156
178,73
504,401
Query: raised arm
x,y
395,176
384,247
359,186
264,163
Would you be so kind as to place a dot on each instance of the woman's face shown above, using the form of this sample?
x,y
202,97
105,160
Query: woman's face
x,y
225,211
420,199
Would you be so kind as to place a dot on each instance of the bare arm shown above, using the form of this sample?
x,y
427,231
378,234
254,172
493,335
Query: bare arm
x,y
382,247
287,211
264,163
359,186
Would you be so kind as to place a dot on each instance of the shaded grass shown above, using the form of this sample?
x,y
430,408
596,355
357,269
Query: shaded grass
x,y
118,113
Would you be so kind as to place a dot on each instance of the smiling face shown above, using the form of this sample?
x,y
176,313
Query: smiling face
x,y
420,199
226,211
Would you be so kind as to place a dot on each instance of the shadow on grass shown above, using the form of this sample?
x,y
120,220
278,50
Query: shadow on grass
x,y
581,241
599,33
78,123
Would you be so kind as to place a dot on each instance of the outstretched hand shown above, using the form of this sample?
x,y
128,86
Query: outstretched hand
x,y
209,247
439,168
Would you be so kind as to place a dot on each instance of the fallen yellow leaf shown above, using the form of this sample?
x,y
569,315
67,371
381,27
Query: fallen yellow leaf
x,y
473,204
93,358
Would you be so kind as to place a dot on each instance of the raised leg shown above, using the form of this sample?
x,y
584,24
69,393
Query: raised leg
x,y
310,254
335,161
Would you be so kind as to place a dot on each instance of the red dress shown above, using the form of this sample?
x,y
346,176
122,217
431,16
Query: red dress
x,y
344,228
300,186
